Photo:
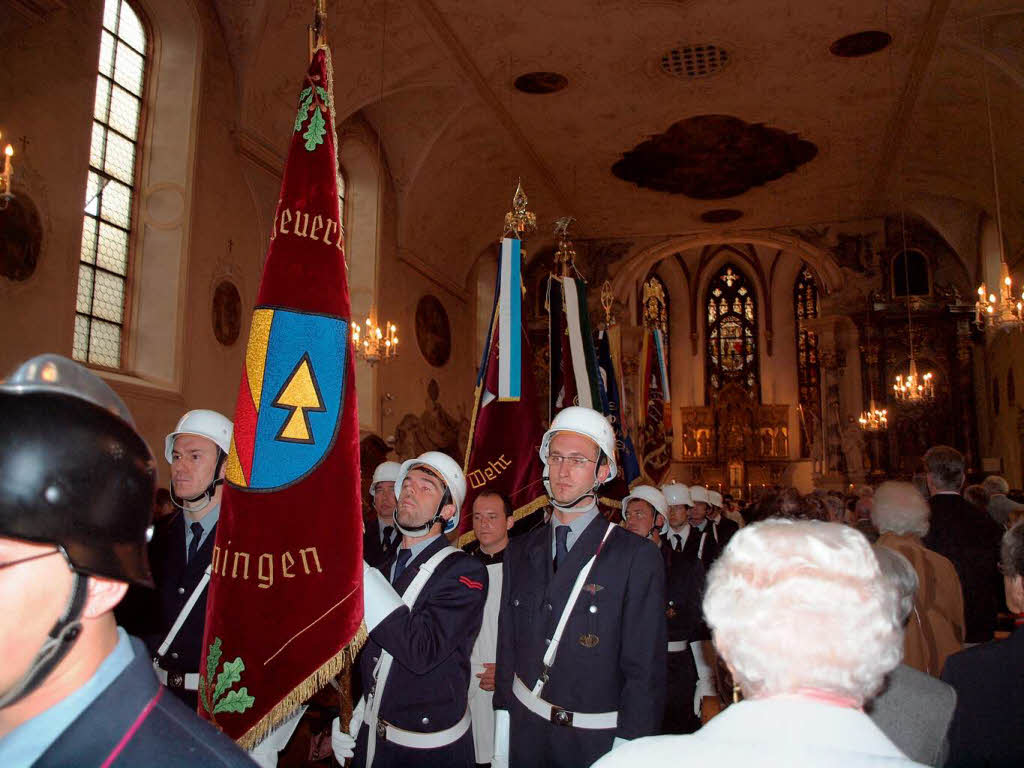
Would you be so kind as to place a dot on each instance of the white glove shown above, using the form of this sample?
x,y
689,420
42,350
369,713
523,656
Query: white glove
x,y
501,728
357,718
264,754
379,598
343,744
705,681
619,741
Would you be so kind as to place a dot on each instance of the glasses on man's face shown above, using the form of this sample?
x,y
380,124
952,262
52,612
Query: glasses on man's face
x,y
19,561
573,462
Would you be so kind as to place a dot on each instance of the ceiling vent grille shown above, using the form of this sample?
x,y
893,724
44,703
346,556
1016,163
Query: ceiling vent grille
x,y
692,61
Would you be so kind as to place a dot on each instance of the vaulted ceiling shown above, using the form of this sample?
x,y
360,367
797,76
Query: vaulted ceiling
x,y
905,126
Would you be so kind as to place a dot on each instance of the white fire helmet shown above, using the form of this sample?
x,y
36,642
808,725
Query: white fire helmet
x,y
652,496
676,494
699,493
449,471
586,422
715,499
209,424
386,472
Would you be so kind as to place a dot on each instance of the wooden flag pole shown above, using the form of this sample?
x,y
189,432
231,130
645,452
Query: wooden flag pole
x,y
318,29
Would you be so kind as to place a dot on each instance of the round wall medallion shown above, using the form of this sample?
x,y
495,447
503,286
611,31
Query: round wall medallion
x,y
541,82
433,333
21,238
227,312
720,215
860,44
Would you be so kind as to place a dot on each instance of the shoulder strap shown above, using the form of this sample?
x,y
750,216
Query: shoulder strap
x,y
577,587
183,614
383,668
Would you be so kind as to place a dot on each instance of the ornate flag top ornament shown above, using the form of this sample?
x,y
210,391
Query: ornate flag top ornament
x,y
565,256
607,302
519,221
654,305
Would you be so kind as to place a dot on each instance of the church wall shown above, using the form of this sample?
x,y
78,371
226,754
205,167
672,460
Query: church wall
x,y
1005,430
224,239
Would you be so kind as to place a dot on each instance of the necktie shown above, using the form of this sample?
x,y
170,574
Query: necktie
x,y
400,563
677,542
197,535
561,544
389,534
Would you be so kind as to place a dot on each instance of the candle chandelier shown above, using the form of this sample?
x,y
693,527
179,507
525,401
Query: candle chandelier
x,y
874,419
375,344
1005,312
913,388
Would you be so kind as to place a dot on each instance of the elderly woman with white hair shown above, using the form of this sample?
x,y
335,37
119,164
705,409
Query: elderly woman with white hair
x,y
936,626
808,626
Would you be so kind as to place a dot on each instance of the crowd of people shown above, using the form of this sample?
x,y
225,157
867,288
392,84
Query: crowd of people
x,y
680,624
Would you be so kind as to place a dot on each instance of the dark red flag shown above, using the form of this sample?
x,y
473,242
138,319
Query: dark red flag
x,y
285,607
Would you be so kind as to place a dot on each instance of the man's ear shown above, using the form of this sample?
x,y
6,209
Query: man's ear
x,y
102,596
448,512
509,522
659,521
603,471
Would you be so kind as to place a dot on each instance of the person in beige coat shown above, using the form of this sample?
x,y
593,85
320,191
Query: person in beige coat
x,y
936,626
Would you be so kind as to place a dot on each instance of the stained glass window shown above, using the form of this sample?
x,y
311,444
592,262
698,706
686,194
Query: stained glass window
x,y
731,332
805,306
110,192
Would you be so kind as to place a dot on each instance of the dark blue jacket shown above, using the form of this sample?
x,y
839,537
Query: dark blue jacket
x,y
613,651
159,729
428,687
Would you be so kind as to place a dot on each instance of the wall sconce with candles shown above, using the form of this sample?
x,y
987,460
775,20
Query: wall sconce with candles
x,y
1002,313
7,176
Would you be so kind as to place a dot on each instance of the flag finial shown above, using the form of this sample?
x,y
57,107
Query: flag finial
x,y
519,221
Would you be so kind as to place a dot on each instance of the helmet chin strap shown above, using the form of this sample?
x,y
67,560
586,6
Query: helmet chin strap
x,y
207,494
56,646
569,505
422,530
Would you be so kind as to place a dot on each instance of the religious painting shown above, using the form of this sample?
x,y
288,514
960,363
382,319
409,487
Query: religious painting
x,y
21,236
433,332
227,313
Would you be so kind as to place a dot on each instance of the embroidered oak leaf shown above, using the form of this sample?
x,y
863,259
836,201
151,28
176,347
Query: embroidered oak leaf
x,y
231,674
223,699
314,135
305,99
235,701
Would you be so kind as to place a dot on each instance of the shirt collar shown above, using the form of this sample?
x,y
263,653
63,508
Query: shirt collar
x,y
420,545
28,741
208,521
577,526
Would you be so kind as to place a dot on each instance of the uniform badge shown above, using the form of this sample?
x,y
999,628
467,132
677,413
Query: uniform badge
x,y
589,640
290,404
593,589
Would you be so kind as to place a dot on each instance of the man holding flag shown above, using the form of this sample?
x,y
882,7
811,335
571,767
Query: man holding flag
x,y
285,603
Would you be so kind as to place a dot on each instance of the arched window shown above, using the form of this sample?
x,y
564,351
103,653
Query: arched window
x,y
805,306
110,198
912,267
731,332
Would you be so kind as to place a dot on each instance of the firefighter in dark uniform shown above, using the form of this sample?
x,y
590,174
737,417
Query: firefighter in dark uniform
x,y
581,630
381,538
423,610
76,497
722,527
182,551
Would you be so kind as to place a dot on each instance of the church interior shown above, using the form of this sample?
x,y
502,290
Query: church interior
x,y
815,201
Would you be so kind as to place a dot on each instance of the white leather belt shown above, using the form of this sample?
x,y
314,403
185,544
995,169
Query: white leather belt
x,y
559,716
186,681
675,646
418,739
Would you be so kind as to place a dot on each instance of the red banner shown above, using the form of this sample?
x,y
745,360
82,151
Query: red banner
x,y
285,606
503,452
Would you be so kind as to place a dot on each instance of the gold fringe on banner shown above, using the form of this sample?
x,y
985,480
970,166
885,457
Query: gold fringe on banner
x,y
304,690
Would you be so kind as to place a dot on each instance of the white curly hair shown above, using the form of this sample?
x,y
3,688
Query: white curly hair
x,y
797,604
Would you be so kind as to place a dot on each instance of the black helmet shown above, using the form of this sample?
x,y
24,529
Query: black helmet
x,y
73,470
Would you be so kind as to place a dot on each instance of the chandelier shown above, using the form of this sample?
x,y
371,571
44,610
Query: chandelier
x,y
375,344
1004,313
874,419
5,178
913,388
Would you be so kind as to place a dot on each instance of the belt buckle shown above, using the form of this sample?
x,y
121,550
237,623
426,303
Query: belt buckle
x,y
382,730
561,716
175,680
